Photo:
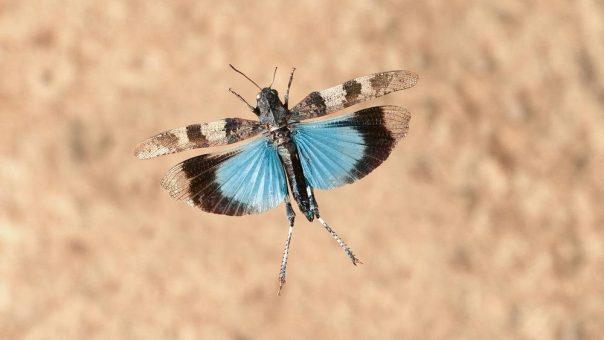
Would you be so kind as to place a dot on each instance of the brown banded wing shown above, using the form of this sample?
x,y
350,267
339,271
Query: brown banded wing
x,y
320,103
221,132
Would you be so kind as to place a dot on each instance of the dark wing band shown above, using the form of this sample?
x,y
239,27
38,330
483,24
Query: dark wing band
x,y
222,132
320,103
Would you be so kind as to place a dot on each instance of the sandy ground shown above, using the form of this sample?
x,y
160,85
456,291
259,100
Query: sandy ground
x,y
485,223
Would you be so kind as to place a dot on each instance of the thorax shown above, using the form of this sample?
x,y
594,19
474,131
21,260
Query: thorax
x,y
281,137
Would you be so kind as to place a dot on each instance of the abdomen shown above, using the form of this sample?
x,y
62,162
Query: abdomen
x,y
290,158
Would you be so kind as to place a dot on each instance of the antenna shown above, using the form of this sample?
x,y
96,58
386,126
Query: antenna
x,y
274,73
246,77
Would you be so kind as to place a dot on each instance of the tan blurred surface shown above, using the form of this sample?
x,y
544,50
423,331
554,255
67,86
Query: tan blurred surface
x,y
485,223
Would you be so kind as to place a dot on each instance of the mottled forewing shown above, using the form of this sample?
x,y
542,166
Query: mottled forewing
x,y
352,92
343,149
222,132
244,180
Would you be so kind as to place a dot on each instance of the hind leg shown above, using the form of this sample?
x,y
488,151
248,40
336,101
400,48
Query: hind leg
x,y
290,216
315,208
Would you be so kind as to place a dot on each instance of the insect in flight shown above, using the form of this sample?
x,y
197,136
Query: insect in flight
x,y
285,151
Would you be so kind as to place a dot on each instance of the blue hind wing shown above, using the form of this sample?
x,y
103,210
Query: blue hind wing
x,y
346,148
245,180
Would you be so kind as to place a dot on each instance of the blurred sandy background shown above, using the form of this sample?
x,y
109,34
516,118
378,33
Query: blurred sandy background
x,y
485,223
